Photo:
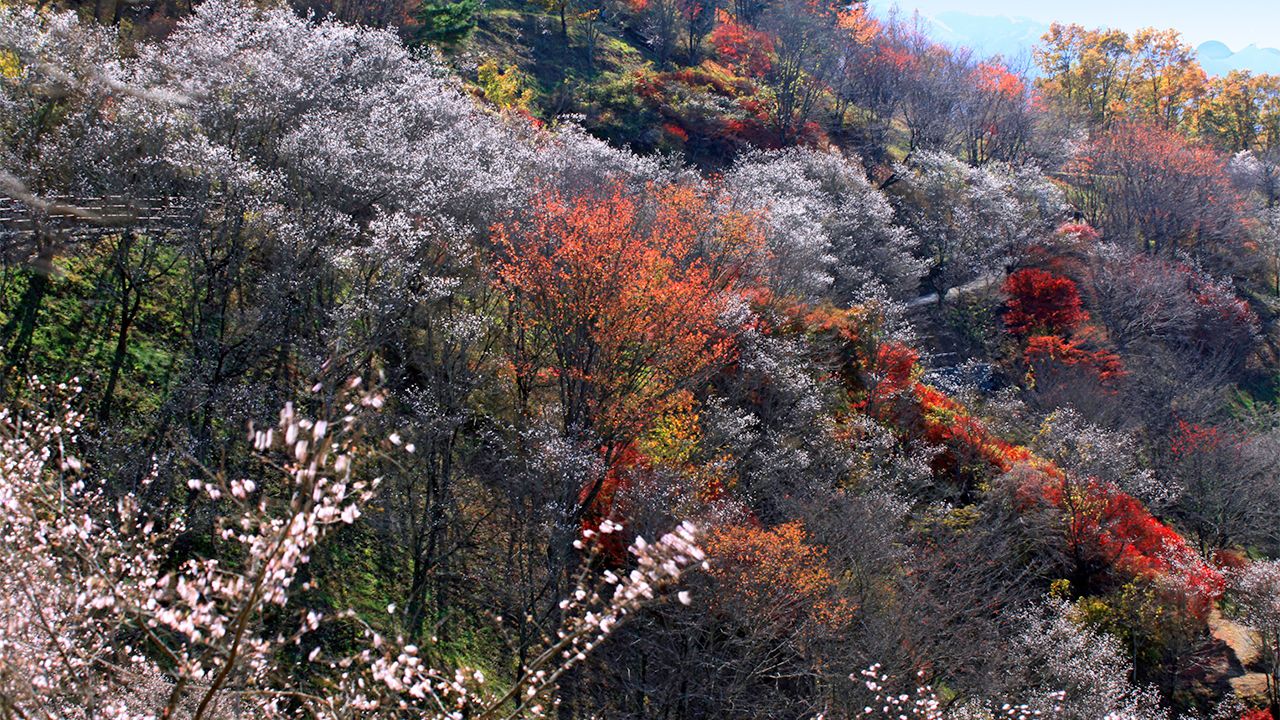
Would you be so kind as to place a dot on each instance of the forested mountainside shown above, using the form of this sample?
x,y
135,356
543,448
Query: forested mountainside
x,y
351,353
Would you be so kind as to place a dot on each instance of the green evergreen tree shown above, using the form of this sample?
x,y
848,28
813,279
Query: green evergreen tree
x,y
445,21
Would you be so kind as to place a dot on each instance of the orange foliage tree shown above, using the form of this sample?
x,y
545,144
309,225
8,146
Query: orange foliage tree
x,y
776,577
748,50
615,301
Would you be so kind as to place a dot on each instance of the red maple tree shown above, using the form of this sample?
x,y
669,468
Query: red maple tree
x,y
1042,301
748,50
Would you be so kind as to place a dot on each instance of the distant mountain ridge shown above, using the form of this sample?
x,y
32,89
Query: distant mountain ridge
x,y
1010,37
1218,59
1015,37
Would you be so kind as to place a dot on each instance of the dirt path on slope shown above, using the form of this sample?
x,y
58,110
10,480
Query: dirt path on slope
x,y
1245,651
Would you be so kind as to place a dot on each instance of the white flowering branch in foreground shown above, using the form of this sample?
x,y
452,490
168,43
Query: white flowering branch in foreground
x,y
392,677
99,618
924,704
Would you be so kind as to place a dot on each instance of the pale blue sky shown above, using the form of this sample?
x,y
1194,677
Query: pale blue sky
x,y
1234,22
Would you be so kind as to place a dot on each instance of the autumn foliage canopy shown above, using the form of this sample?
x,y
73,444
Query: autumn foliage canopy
x,y
617,296
1040,300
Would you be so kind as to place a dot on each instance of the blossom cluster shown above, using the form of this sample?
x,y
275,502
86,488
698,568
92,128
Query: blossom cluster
x,y
924,704
390,676
104,617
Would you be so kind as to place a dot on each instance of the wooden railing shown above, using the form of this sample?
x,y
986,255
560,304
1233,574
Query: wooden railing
x,y
86,217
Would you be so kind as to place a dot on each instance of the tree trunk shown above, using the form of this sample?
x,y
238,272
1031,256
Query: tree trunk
x,y
28,311
128,313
